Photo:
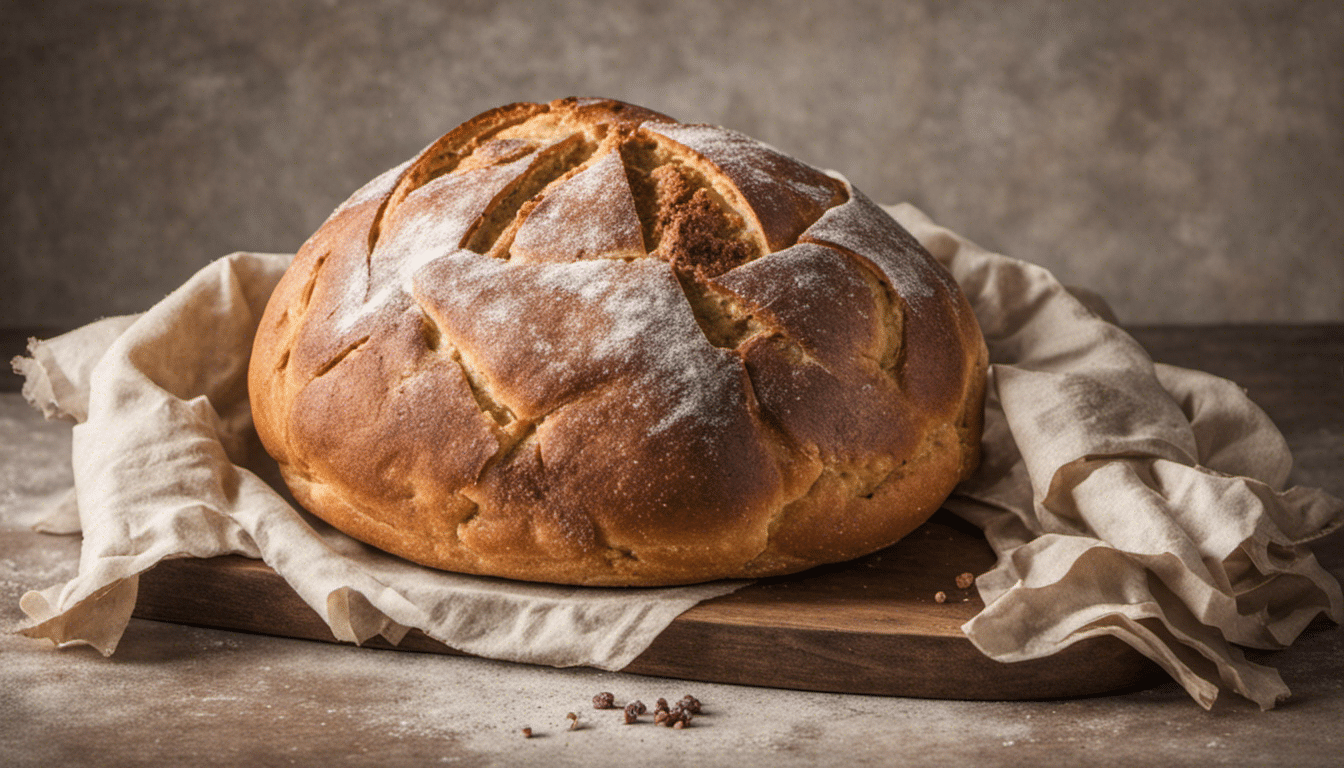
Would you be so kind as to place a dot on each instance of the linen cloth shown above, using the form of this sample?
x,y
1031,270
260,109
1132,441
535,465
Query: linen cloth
x,y
1127,498
1122,497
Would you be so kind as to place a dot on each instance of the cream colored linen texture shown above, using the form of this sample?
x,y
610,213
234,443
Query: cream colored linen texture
x,y
1123,498
1127,498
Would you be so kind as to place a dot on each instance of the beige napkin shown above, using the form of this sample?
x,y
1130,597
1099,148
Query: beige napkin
x,y
1127,498
1144,502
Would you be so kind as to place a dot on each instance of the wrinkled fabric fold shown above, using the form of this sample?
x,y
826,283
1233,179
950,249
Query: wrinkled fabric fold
x,y
1127,498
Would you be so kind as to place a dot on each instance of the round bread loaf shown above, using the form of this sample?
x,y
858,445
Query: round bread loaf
x,y
584,343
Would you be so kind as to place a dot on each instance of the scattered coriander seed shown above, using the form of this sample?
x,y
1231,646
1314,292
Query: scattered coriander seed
x,y
940,597
677,718
965,580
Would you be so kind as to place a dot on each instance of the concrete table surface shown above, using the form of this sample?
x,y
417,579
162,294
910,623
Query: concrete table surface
x,y
176,695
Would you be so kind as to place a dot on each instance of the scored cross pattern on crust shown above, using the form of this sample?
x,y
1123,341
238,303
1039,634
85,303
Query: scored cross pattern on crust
x,y
582,342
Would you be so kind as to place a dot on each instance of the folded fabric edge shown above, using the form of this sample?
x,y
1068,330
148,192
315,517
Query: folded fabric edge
x,y
356,616
98,620
1190,664
1205,585
58,514
1175,651
37,388
354,619
56,371
1149,625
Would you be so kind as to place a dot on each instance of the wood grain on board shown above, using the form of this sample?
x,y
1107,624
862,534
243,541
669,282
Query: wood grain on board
x,y
871,626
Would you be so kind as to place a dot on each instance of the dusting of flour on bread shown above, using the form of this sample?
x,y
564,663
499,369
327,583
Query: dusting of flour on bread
x,y
626,323
581,342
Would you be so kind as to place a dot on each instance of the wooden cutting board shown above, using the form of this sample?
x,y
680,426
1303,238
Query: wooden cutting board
x,y
870,626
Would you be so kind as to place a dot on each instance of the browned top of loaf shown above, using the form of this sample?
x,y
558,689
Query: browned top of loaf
x,y
582,342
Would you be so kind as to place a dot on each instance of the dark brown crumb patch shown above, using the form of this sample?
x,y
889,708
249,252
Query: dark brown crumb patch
x,y
692,231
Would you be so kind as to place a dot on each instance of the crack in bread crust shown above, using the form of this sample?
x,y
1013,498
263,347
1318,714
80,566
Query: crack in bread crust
x,y
565,156
812,448
341,356
893,311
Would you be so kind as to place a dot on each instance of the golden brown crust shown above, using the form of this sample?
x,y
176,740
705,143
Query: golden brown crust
x,y
580,342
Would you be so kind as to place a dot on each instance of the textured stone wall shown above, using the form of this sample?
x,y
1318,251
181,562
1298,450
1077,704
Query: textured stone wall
x,y
1184,159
